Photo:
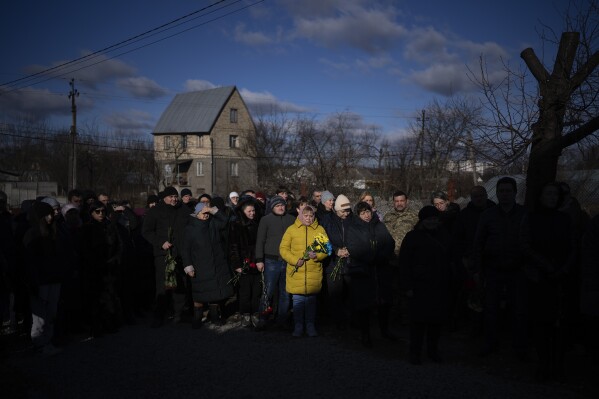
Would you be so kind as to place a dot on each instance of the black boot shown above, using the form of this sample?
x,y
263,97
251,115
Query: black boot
x,y
213,314
198,313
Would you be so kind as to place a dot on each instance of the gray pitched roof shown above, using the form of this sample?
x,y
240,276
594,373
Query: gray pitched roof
x,y
193,112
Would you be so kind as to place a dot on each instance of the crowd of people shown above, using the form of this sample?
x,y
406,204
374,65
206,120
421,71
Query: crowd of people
x,y
92,264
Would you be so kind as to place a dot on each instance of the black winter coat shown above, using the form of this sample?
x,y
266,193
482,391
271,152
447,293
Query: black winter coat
x,y
464,229
202,248
101,250
360,242
44,258
548,248
159,226
336,229
589,289
425,269
242,242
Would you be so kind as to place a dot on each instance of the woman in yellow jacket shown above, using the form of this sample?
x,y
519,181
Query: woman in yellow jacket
x,y
304,270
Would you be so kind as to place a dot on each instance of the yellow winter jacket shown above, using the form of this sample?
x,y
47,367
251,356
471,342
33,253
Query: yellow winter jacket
x,y
308,278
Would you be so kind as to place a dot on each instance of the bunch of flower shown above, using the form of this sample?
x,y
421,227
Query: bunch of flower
x,y
336,272
320,244
170,277
245,267
267,308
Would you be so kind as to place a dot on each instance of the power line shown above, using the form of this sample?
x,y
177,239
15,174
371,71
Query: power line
x,y
124,43
106,49
80,143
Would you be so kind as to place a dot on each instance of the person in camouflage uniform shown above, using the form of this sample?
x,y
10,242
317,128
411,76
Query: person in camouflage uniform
x,y
400,219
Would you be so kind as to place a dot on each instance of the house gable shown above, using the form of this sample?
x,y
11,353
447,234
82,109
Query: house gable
x,y
201,138
193,113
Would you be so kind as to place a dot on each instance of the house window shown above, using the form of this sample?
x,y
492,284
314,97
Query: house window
x,y
234,169
167,142
233,115
200,168
183,141
233,141
200,141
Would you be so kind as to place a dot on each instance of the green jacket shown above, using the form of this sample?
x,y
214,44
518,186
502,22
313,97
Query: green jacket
x,y
399,224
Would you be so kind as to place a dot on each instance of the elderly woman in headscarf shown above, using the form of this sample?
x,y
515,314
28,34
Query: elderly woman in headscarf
x,y
206,263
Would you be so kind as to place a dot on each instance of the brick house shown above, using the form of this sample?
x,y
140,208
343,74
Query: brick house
x,y
204,141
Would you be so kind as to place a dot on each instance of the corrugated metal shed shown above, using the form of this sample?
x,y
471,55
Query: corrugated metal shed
x,y
193,112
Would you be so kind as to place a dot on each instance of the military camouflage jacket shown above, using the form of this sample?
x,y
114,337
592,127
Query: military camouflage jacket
x,y
399,223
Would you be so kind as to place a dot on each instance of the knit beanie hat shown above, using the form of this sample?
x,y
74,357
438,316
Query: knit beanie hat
x,y
152,199
198,208
260,195
277,200
326,195
52,202
170,190
67,208
341,203
233,194
185,192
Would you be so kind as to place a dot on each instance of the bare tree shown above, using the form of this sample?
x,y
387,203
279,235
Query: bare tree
x,y
562,111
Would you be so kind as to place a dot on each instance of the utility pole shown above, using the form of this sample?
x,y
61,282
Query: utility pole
x,y
472,157
420,146
73,158
212,166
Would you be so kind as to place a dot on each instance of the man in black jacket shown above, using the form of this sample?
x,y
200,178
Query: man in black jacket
x,y
159,229
498,255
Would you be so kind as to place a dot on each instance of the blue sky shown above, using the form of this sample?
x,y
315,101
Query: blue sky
x,y
382,60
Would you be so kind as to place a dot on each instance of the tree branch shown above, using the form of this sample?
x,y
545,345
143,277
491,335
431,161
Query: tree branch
x,y
535,66
580,133
584,71
566,52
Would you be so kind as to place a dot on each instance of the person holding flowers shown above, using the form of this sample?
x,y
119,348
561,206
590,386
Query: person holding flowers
x,y
336,225
242,257
304,246
269,261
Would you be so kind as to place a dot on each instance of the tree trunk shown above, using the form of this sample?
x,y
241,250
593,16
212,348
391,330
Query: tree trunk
x,y
542,168
555,91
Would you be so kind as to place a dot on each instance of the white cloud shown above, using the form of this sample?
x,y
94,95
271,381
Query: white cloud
x,y
265,102
197,85
134,121
370,30
142,87
320,8
490,50
251,38
36,104
426,45
337,66
445,79
88,72
440,61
